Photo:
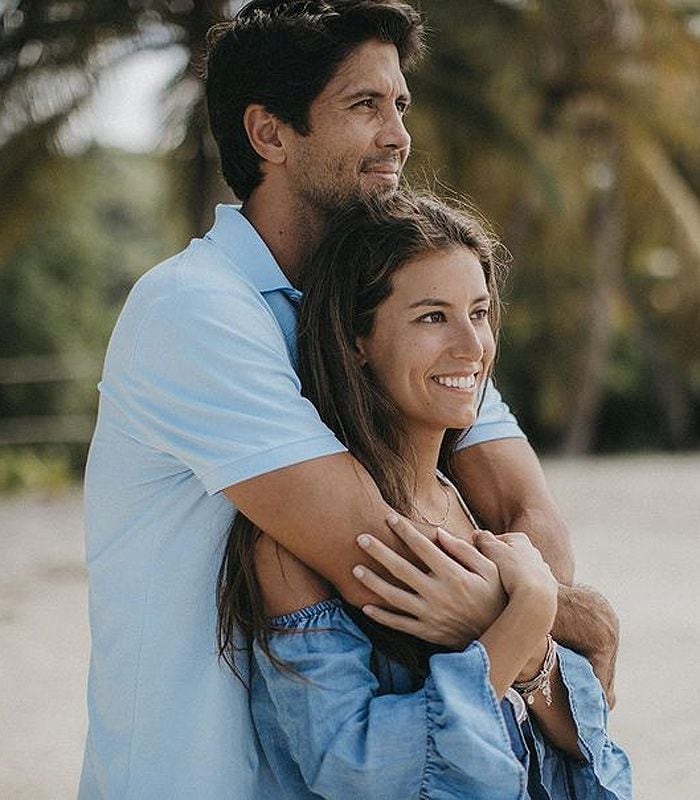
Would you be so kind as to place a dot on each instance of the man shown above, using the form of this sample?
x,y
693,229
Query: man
x,y
200,406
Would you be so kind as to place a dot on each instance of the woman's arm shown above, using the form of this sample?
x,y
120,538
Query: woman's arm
x,y
342,729
513,634
347,736
532,592
343,734
516,640
574,722
285,581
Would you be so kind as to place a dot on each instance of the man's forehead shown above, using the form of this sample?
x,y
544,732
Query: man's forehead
x,y
374,66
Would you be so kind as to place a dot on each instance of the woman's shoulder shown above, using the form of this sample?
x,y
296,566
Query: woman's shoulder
x,y
286,583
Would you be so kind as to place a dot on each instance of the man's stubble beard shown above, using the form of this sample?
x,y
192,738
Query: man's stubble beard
x,y
325,204
325,193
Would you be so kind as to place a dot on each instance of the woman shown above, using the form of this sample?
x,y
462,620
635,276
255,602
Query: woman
x,y
396,341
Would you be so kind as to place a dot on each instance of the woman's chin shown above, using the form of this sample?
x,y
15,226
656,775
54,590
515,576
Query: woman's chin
x,y
462,420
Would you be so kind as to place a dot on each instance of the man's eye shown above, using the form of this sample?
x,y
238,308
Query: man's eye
x,y
433,317
368,102
402,107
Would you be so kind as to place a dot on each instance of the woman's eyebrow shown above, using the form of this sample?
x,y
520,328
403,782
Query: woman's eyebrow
x,y
430,301
436,301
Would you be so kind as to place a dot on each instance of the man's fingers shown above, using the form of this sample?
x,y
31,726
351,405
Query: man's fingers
x,y
397,598
604,669
429,554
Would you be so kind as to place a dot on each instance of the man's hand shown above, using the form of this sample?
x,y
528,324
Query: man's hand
x,y
586,622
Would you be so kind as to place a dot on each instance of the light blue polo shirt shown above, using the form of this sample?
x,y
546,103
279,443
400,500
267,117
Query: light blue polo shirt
x,y
198,393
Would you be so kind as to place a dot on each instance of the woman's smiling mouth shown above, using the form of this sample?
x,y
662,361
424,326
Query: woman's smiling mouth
x,y
459,382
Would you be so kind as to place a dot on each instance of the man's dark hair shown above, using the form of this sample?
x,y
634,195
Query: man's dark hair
x,y
281,55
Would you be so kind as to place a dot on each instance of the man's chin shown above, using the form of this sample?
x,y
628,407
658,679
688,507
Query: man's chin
x,y
379,184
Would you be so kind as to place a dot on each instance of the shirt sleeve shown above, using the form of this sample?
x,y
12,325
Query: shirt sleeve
x,y
495,421
447,740
210,382
604,773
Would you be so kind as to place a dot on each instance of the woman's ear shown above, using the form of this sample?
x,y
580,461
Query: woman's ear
x,y
360,351
263,129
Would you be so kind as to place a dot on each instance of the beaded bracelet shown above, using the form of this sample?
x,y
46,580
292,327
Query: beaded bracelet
x,y
541,681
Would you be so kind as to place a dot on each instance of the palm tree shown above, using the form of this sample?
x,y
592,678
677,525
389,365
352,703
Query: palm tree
x,y
554,114
571,122
52,54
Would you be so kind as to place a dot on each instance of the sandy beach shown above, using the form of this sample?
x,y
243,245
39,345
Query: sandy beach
x,y
634,522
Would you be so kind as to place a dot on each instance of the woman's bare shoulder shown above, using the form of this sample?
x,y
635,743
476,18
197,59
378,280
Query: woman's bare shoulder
x,y
286,582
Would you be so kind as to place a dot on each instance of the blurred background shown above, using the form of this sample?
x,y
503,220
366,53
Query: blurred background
x,y
573,125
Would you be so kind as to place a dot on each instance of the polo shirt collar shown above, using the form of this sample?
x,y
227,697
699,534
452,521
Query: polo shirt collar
x,y
233,234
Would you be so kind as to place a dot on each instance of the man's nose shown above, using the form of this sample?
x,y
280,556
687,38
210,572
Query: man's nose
x,y
393,132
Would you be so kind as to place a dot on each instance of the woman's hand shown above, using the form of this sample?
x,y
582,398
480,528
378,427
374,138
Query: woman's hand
x,y
526,577
451,605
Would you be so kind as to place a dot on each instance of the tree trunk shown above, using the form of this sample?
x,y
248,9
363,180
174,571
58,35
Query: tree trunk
x,y
606,227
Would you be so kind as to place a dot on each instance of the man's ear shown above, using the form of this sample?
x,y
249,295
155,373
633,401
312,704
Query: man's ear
x,y
263,132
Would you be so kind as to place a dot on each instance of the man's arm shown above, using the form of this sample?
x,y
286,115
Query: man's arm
x,y
505,486
587,623
316,510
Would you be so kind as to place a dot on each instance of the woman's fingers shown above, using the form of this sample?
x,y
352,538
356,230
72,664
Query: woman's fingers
x,y
398,622
429,554
395,564
487,543
396,597
504,545
466,554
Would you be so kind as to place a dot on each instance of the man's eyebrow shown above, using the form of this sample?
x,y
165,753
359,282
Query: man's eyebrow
x,y
359,94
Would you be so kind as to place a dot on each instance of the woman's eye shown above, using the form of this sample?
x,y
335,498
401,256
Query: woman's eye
x,y
480,314
432,317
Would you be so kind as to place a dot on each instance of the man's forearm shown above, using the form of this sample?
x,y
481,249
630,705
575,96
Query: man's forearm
x,y
587,623
316,510
550,535
506,488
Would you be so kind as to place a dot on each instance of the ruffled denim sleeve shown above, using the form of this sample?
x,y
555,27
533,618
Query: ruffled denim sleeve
x,y
351,738
604,773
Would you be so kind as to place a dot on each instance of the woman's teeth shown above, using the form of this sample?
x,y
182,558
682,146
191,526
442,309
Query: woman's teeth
x,y
456,382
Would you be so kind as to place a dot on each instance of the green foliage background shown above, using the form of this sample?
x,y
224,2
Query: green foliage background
x,y
574,126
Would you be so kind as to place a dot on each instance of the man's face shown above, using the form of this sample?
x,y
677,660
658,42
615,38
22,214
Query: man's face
x,y
358,142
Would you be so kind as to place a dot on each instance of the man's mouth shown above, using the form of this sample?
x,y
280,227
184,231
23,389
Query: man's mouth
x,y
384,167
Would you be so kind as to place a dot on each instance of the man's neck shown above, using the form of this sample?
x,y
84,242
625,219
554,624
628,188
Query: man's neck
x,y
289,228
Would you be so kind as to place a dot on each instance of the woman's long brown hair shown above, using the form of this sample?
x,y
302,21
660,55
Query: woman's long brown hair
x,y
345,280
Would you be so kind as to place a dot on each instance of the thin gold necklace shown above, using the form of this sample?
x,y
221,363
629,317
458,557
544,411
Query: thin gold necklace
x,y
442,521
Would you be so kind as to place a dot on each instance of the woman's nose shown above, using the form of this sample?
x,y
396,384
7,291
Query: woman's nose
x,y
467,343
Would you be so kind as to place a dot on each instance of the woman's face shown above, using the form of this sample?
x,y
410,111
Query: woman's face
x,y
432,345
